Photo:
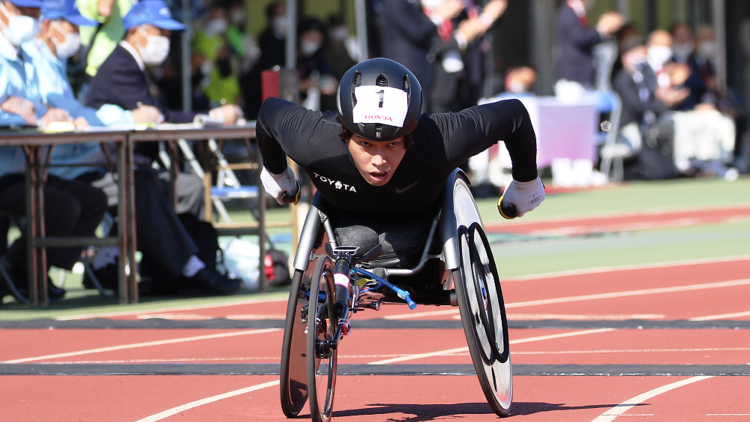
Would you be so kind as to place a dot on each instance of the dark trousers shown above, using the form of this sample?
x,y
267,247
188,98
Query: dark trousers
x,y
70,209
162,238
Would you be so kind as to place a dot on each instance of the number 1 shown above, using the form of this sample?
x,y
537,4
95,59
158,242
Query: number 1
x,y
381,93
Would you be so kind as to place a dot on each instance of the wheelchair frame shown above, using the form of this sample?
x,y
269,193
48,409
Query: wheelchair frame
x,y
469,267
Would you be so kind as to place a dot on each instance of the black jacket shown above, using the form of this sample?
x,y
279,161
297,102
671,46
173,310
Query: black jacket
x,y
575,42
121,82
638,95
407,38
440,143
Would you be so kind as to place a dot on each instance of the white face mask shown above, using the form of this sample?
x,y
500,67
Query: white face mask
x,y
237,17
707,49
339,33
279,26
682,51
309,47
20,28
432,4
216,26
516,87
69,46
156,49
658,55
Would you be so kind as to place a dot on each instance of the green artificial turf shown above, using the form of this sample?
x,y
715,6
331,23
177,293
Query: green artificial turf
x,y
517,255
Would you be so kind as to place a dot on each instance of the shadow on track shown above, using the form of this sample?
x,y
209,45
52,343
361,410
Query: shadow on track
x,y
433,411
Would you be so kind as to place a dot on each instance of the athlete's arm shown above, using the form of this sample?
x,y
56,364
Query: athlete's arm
x,y
475,129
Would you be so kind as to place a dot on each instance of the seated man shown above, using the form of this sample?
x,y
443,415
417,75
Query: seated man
x,y
59,39
71,208
170,256
696,142
381,150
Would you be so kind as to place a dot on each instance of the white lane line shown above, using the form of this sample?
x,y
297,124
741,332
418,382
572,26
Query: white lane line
x,y
466,349
623,407
175,410
146,344
578,352
642,292
722,316
172,309
634,267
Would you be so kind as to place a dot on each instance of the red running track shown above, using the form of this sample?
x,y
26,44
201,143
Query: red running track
x,y
378,398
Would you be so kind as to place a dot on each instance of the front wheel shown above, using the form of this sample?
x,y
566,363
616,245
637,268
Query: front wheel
x,y
483,317
321,355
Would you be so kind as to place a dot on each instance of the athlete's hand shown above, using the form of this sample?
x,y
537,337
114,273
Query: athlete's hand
x,y
281,185
522,197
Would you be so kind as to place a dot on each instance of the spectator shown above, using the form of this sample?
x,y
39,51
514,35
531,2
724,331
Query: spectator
x,y
698,143
317,84
519,80
409,33
336,48
71,208
58,40
459,69
123,81
272,53
683,51
211,44
575,42
101,41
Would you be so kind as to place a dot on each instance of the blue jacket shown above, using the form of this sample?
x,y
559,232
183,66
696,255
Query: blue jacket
x,y
56,91
18,78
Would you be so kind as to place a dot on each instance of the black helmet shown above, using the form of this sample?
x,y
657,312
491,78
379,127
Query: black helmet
x,y
390,100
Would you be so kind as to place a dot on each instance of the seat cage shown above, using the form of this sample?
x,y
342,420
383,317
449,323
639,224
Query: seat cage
x,y
458,209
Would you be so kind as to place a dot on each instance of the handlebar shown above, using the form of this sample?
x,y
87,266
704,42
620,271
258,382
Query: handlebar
x,y
508,211
288,199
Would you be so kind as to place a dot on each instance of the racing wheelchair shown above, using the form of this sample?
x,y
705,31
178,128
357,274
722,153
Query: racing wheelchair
x,y
332,281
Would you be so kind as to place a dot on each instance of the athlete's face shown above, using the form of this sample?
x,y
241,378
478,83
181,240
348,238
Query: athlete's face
x,y
376,161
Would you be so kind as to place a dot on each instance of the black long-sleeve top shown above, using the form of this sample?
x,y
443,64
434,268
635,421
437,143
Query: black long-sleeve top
x,y
440,143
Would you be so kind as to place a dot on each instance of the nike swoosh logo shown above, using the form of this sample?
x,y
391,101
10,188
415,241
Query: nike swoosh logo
x,y
399,190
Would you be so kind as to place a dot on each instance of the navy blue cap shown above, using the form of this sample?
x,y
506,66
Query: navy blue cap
x,y
27,3
65,9
151,12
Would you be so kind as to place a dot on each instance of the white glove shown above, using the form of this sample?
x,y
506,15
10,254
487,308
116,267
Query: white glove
x,y
278,184
523,196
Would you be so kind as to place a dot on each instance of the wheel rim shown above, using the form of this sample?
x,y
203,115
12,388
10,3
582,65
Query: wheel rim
x,y
321,357
488,293
495,377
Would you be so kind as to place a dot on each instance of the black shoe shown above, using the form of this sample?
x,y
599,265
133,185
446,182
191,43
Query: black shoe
x,y
210,282
54,293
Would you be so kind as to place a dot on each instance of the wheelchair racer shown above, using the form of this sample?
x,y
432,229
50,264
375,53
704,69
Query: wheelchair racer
x,y
381,163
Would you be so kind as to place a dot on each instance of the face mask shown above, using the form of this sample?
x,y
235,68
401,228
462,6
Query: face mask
x,y
658,55
69,46
707,49
279,26
237,17
216,26
309,47
156,49
20,28
432,4
516,87
339,33
682,51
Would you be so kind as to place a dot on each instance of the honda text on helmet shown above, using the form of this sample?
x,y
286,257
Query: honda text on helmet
x,y
380,100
